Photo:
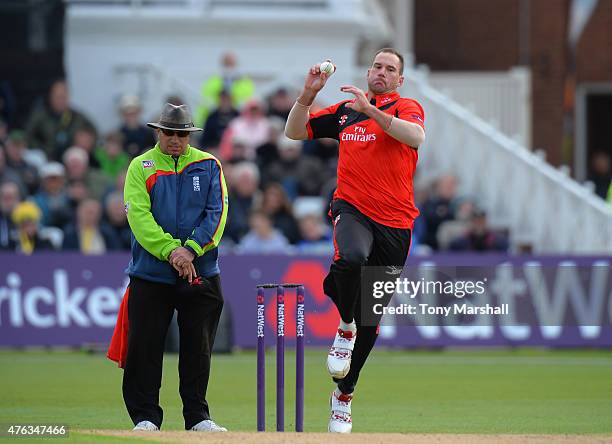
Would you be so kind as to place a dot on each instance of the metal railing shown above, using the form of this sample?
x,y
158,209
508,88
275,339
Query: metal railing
x,y
541,205
503,97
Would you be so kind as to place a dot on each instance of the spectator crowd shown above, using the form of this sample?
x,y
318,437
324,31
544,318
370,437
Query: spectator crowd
x,y
61,181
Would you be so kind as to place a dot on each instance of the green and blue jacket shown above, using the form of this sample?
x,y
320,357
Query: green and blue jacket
x,y
172,202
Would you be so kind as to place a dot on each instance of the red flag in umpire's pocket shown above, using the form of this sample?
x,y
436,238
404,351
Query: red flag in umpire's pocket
x,y
117,350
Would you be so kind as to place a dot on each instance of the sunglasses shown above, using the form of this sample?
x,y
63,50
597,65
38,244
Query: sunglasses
x,y
171,133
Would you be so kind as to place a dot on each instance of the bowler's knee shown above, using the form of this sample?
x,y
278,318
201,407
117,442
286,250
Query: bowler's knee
x,y
352,258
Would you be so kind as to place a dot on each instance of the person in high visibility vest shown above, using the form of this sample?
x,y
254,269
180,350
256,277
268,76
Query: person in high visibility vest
x,y
240,87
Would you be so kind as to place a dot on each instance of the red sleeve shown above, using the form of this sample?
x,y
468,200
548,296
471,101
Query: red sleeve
x,y
324,123
410,111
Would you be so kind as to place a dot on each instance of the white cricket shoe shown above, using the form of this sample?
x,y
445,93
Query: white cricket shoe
x,y
145,426
208,425
339,356
340,420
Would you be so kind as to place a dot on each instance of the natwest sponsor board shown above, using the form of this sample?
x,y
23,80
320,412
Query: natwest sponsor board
x,y
69,299
59,305
59,299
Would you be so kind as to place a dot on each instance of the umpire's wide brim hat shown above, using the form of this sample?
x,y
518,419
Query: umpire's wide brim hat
x,y
175,117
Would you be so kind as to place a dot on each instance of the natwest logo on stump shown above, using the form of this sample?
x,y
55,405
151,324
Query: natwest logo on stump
x,y
319,314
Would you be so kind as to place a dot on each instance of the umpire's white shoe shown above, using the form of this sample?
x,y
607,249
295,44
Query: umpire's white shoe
x,y
145,426
340,420
208,425
339,356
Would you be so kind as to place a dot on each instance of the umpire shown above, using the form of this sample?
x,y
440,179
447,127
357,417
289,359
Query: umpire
x,y
176,204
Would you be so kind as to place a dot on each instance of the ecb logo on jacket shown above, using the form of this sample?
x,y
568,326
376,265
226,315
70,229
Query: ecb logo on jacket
x,y
196,183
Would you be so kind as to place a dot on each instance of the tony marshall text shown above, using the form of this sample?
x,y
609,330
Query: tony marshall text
x,y
455,309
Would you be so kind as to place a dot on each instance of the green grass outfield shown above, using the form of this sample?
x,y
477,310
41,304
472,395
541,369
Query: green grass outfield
x,y
490,391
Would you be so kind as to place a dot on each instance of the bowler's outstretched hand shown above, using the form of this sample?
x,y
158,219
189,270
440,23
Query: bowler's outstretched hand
x,y
360,103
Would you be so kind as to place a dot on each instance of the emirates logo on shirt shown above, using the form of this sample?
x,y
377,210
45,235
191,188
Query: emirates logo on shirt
x,y
358,134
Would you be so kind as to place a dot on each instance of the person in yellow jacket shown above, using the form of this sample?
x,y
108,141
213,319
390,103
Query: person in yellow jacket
x,y
240,87
26,217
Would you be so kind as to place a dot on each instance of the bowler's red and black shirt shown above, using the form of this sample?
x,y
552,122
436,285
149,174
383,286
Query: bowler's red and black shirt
x,y
375,170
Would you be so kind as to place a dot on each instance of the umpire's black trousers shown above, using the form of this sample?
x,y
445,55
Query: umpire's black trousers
x,y
150,309
359,241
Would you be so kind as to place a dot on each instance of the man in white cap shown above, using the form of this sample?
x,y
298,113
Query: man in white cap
x,y
52,198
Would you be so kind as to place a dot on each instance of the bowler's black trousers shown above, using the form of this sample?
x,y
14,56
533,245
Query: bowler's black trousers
x,y
150,309
359,241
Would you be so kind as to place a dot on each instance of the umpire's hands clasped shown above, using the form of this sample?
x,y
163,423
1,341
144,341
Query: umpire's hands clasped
x,y
182,260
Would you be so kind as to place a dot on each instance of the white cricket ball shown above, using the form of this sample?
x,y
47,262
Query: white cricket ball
x,y
327,67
